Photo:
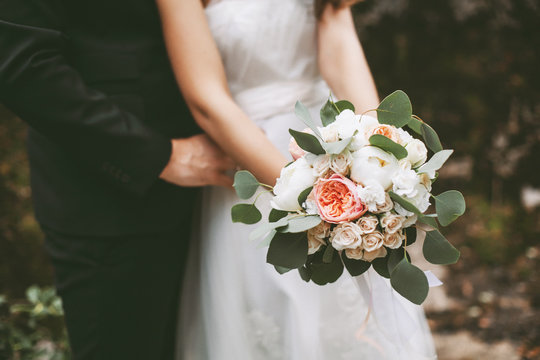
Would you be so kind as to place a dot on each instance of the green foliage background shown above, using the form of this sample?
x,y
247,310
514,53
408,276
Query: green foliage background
x,y
471,70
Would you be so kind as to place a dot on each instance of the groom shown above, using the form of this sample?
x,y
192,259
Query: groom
x,y
115,157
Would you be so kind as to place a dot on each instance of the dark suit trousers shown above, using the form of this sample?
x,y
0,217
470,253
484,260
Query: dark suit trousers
x,y
120,294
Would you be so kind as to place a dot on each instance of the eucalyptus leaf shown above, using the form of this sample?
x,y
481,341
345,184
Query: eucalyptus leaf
x,y
305,273
388,145
449,206
298,224
410,282
431,138
303,195
245,184
381,266
407,205
323,273
282,270
394,258
276,215
307,142
355,267
337,147
328,113
328,254
345,105
428,220
303,114
266,227
415,125
288,250
245,213
267,239
436,162
410,233
395,109
437,250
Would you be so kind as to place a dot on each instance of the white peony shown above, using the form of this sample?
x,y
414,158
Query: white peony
x,y
347,123
370,162
417,152
361,139
293,179
346,236
340,163
404,182
372,194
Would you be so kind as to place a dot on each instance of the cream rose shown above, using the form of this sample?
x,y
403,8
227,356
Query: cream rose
x,y
392,223
372,255
320,163
329,134
417,152
356,254
368,224
373,241
341,163
293,179
393,240
346,236
387,206
316,237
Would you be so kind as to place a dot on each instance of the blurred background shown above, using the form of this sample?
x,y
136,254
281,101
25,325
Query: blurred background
x,y
472,70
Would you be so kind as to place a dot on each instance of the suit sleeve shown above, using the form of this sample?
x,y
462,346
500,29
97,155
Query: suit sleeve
x,y
38,84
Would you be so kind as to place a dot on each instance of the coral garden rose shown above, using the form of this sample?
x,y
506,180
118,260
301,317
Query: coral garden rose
x,y
337,199
346,236
386,130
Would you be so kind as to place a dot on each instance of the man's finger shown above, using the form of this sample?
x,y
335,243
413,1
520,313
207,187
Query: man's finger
x,y
225,164
221,179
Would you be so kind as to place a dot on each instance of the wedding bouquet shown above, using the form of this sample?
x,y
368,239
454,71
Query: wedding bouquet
x,y
354,196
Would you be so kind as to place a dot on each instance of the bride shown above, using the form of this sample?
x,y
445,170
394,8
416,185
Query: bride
x,y
242,65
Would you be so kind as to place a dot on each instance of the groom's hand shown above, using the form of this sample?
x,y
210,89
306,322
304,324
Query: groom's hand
x,y
197,161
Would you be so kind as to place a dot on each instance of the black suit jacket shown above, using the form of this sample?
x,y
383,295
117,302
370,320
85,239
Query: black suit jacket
x,y
93,81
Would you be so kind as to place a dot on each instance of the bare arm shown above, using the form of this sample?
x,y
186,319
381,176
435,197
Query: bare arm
x,y
199,72
341,59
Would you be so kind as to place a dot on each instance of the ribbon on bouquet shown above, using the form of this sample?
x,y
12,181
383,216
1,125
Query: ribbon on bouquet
x,y
395,318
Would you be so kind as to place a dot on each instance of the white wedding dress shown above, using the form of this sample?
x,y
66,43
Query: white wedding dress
x,y
235,306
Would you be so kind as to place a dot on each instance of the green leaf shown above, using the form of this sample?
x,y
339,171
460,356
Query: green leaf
x,y
404,203
307,142
436,162
276,215
245,213
410,282
328,113
328,254
449,206
303,195
394,258
387,144
303,114
300,223
288,250
323,273
437,250
32,294
337,147
431,138
355,267
305,273
381,266
410,232
395,109
267,239
245,184
428,220
345,105
266,227
282,270
415,125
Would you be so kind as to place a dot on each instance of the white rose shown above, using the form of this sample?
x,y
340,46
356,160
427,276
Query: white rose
x,y
387,206
426,181
405,182
356,254
394,240
346,236
368,223
316,237
392,223
329,133
347,123
371,162
373,241
404,137
409,221
417,152
420,200
293,179
367,123
372,255
372,194
320,163
340,163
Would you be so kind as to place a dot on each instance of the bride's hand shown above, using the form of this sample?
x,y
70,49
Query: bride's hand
x,y
197,161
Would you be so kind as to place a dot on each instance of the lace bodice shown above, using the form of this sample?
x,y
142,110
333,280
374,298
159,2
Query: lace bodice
x,y
269,49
